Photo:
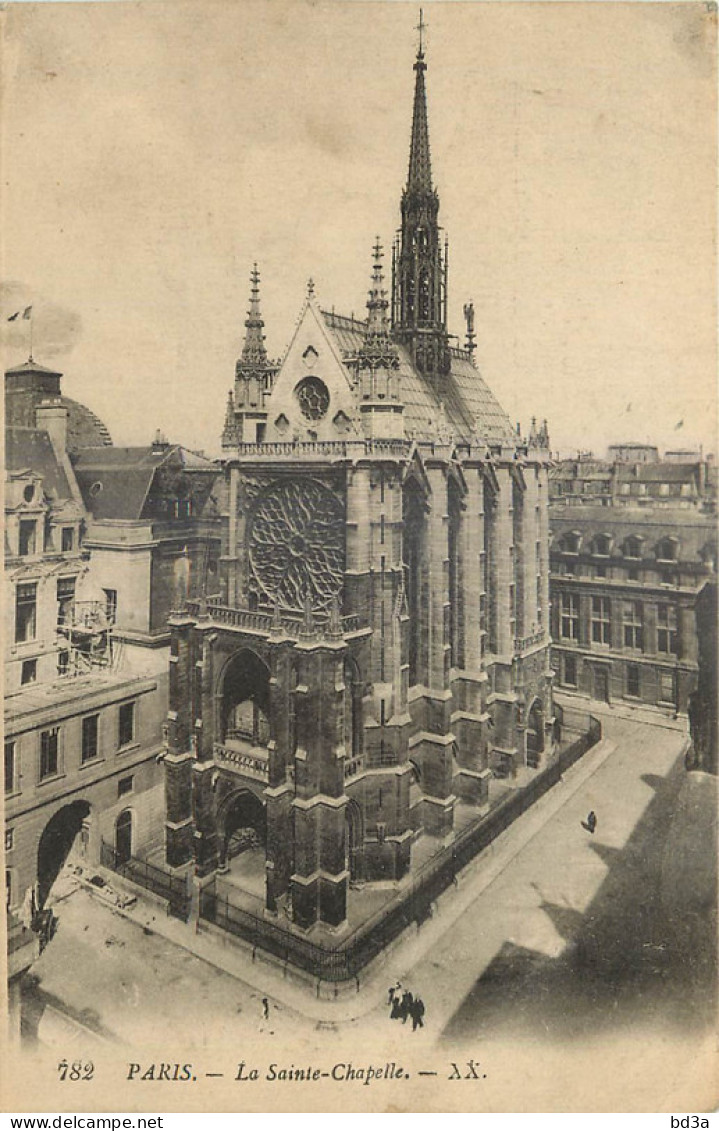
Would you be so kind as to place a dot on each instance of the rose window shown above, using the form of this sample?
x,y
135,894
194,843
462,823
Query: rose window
x,y
314,398
297,544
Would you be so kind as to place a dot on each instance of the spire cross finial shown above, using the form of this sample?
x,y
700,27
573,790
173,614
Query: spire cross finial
x,y
310,287
421,28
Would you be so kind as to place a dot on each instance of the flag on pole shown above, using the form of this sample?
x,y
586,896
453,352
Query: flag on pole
x,y
14,316
27,312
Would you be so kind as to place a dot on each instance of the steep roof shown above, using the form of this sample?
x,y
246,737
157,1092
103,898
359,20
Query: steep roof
x,y
30,449
465,396
115,482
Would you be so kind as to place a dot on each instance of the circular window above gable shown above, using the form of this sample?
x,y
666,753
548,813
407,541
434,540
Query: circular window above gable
x,y
314,398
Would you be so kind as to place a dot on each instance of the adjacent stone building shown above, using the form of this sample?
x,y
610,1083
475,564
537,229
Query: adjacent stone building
x,y
99,541
633,540
380,644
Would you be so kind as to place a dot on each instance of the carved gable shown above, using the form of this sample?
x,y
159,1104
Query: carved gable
x,y
312,397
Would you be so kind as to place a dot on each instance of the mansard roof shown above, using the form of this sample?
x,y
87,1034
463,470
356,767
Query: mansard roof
x,y
468,402
115,482
30,449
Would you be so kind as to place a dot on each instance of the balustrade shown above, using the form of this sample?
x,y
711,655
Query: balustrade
x,y
258,621
250,764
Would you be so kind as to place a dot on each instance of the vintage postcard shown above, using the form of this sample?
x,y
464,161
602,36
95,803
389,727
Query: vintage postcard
x,y
360,556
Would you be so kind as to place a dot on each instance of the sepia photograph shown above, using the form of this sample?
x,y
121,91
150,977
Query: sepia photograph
x,y
360,603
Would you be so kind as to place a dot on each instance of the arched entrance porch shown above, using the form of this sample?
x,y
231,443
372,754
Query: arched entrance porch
x,y
242,831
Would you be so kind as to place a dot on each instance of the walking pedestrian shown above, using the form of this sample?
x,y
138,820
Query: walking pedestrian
x,y
417,1014
406,1005
591,822
265,1016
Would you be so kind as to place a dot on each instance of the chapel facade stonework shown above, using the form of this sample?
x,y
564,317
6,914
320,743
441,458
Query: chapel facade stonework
x,y
376,647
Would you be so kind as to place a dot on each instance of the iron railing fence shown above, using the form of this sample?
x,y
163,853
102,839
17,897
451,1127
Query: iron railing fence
x,y
172,888
414,904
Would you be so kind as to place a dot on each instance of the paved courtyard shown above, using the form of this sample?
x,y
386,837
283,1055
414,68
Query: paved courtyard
x,y
552,931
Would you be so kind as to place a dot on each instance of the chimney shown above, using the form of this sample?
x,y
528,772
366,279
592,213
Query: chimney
x,y
160,443
51,417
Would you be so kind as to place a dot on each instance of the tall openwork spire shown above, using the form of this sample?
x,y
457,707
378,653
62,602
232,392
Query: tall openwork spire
x,y
419,177
419,270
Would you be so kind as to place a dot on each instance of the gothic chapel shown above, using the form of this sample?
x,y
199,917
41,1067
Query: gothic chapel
x,y
378,645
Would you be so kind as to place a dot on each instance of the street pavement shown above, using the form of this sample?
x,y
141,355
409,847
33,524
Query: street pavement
x,y
553,931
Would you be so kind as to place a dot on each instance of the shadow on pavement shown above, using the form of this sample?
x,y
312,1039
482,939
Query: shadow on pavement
x,y
639,954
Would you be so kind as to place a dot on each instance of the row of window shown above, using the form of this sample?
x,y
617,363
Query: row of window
x,y
632,624
603,486
632,680
571,568
26,606
50,748
666,550
28,540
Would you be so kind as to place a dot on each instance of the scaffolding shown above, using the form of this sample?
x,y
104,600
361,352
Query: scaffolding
x,y
84,630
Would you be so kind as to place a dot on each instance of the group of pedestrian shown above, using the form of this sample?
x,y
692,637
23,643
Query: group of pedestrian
x,y
403,1004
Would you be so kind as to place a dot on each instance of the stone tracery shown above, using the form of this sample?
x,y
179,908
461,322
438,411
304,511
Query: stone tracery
x,y
297,544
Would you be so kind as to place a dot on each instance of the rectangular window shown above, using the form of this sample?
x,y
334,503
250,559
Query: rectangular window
x,y
601,627
28,530
126,724
667,688
89,737
124,786
569,616
633,625
68,539
9,839
49,753
667,637
63,662
633,575
9,767
570,671
29,671
633,681
25,612
65,599
111,604
600,571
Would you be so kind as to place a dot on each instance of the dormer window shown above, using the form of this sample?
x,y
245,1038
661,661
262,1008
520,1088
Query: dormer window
x,y
29,493
667,550
569,543
602,545
632,547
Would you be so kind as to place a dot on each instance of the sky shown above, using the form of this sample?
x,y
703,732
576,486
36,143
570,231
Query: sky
x,y
152,151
